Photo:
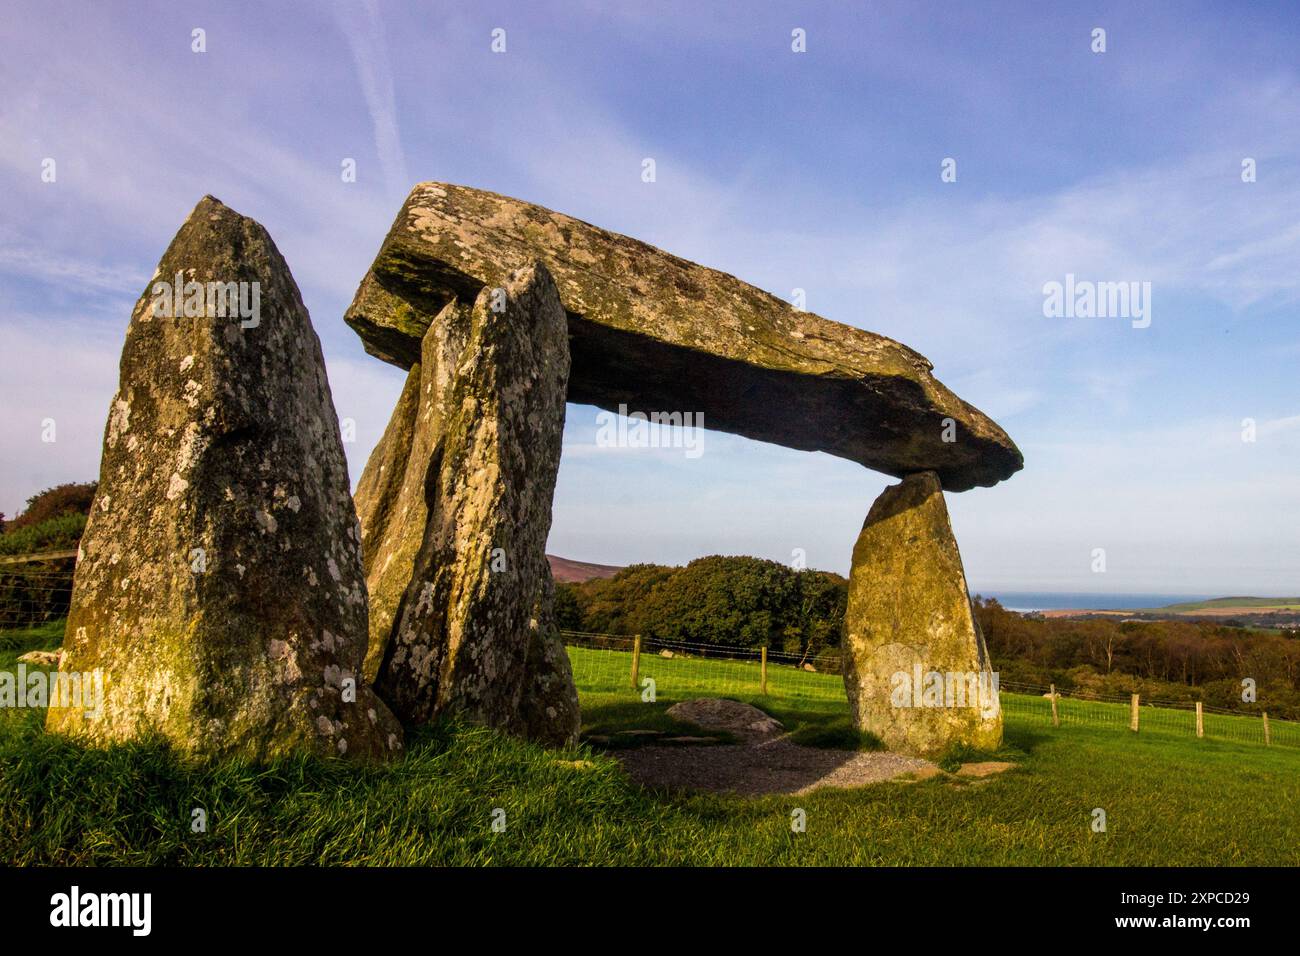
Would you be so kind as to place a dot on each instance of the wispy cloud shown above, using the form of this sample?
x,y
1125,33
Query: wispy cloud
x,y
363,27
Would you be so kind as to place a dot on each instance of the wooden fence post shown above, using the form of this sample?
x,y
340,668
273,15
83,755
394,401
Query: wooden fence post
x,y
636,660
762,681
1133,713
1056,717
1267,739
1200,720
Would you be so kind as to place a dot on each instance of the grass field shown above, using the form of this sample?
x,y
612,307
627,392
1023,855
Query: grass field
x,y
813,699
1255,603
1169,798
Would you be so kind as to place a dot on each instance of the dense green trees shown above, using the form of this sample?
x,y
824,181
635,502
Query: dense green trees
x,y
722,601
56,502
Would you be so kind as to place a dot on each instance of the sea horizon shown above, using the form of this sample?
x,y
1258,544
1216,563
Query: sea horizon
x,y
1025,601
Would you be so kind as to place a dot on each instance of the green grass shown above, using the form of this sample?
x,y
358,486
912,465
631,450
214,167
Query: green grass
x,y
13,644
813,706
1169,799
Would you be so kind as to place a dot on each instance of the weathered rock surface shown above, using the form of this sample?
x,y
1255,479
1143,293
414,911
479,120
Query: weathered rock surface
x,y
548,706
455,507
219,586
715,713
43,658
391,495
917,670
659,333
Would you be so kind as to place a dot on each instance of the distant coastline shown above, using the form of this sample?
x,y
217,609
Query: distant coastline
x,y
1041,601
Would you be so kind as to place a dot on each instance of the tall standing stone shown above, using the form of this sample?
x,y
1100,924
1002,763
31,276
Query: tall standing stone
x,y
219,587
917,673
456,508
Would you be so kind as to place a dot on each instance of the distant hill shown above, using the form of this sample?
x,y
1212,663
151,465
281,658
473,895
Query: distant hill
x,y
573,572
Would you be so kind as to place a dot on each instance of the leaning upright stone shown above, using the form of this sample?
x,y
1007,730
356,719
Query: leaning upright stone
x,y
391,495
218,587
462,622
917,672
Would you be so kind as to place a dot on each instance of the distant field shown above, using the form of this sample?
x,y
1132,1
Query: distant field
x,y
1216,607
1234,603
1169,798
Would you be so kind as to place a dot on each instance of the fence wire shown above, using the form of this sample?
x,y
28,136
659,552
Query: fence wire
x,y
35,589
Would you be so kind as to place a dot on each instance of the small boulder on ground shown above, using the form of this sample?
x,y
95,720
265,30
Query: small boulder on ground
x,y
730,716
985,768
42,658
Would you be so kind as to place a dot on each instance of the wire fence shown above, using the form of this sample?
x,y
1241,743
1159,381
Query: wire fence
x,y
607,663
617,664
35,589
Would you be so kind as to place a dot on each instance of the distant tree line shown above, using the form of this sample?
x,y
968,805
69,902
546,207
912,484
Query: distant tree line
x,y
1168,660
742,602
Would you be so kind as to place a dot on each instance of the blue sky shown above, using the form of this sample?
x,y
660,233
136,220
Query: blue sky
x,y
818,171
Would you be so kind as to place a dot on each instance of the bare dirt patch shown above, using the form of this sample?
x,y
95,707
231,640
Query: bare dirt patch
x,y
768,766
764,762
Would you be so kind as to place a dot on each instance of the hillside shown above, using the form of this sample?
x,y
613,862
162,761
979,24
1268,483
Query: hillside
x,y
573,572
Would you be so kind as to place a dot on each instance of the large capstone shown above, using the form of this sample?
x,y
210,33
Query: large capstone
x,y
218,590
917,670
654,333
455,505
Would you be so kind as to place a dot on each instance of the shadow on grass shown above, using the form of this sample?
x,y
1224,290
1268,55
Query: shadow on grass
x,y
613,723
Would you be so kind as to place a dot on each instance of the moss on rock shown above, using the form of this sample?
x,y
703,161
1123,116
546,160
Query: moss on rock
x,y
219,587
917,671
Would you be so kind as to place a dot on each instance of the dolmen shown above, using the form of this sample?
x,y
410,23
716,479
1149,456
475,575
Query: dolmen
x,y
240,602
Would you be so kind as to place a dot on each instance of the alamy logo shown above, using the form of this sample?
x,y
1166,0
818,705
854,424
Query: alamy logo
x,y
946,689
1084,299
41,688
639,430
211,300
103,909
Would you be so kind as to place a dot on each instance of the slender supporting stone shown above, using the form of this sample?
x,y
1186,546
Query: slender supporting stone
x,y
391,496
455,507
917,672
218,591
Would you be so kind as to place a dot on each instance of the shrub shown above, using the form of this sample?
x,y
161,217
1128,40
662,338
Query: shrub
x,y
70,498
